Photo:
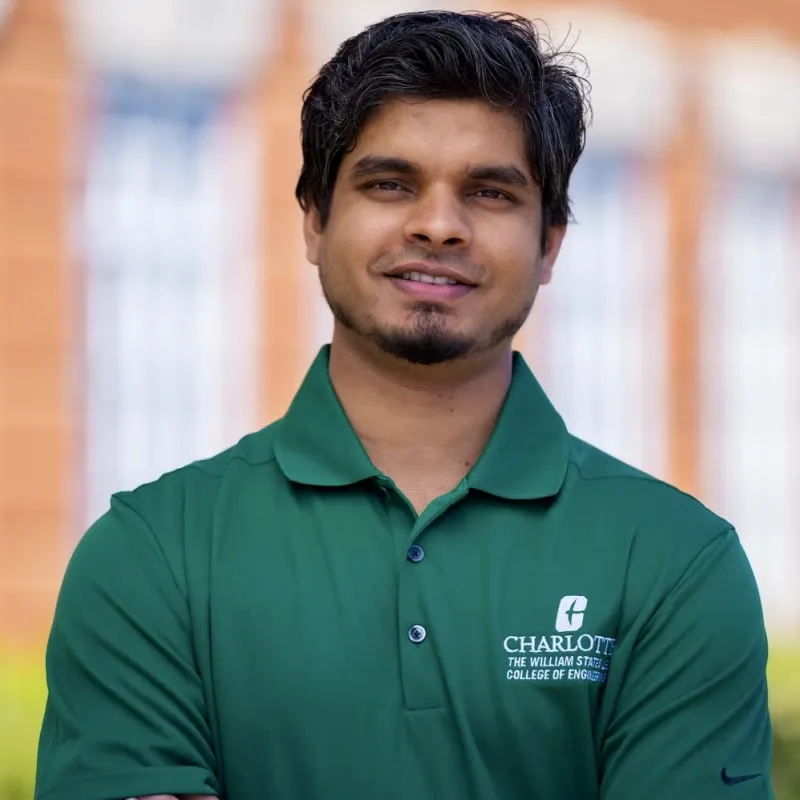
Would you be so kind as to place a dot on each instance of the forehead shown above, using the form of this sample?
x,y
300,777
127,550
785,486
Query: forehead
x,y
441,133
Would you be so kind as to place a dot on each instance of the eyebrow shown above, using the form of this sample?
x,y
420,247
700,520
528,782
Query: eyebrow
x,y
373,165
499,173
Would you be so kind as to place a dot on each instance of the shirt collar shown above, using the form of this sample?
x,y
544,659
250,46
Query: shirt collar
x,y
316,443
526,456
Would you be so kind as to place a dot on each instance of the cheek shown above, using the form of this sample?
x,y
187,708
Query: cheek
x,y
514,251
347,242
517,273
344,266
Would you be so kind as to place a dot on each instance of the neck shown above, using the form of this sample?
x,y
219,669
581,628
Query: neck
x,y
412,419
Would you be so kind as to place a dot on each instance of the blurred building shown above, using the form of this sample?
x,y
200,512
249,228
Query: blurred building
x,y
155,303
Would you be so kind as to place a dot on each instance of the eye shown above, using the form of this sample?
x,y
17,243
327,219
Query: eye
x,y
387,186
493,194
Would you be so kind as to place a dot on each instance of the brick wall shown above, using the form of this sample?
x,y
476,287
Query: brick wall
x,y
35,335
40,326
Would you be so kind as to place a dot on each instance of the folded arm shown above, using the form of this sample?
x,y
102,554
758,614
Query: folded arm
x,y
689,717
180,797
125,713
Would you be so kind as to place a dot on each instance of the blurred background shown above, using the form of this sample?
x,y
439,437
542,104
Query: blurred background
x,y
155,303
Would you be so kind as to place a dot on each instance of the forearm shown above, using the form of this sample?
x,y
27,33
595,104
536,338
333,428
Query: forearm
x,y
172,797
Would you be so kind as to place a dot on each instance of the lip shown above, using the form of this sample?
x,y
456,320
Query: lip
x,y
433,270
430,292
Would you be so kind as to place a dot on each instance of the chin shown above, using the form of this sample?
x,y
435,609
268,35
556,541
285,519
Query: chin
x,y
425,348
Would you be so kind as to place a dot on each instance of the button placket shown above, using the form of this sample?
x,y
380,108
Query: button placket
x,y
420,670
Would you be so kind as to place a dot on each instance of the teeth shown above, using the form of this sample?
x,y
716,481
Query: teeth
x,y
418,276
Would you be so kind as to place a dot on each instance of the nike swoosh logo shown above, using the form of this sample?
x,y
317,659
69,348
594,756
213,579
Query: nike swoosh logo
x,y
731,780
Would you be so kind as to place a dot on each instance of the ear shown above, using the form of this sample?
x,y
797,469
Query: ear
x,y
312,232
552,247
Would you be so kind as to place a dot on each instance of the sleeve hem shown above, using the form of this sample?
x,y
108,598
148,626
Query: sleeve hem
x,y
144,782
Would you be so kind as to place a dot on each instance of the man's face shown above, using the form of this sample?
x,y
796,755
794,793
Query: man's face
x,y
432,249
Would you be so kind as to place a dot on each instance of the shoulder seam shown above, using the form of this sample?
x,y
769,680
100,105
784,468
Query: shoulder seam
x,y
155,539
638,477
726,530
668,593
200,468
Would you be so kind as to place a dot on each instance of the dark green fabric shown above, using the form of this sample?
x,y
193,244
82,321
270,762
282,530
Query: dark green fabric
x,y
241,626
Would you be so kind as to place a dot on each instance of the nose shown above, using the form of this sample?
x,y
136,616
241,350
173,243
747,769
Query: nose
x,y
438,219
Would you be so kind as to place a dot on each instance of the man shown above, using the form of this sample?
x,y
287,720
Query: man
x,y
417,584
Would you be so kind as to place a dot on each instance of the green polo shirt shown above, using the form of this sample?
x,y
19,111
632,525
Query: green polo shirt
x,y
277,623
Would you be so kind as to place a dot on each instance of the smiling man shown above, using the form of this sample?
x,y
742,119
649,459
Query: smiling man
x,y
417,584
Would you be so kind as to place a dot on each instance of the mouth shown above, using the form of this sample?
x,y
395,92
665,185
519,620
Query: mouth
x,y
434,280
432,284
430,274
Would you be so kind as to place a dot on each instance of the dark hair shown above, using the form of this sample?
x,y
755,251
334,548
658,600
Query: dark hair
x,y
500,58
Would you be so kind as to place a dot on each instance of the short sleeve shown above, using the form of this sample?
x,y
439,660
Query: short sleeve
x,y
125,714
690,718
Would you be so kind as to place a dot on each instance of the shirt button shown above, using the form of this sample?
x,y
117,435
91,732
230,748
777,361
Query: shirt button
x,y
417,634
416,553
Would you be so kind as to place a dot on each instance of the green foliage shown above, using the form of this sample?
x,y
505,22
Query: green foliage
x,y
22,699
23,694
784,689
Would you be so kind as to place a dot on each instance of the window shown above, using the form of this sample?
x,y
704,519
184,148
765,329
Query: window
x,y
596,337
751,376
169,270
